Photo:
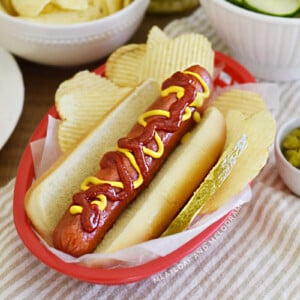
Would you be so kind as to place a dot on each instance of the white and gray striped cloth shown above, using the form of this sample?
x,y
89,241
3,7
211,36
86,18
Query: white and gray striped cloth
x,y
255,255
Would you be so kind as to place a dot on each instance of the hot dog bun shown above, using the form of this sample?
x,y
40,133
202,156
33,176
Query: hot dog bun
x,y
157,206
50,195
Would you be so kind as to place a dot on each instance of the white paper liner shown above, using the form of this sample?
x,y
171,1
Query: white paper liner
x,y
147,251
46,151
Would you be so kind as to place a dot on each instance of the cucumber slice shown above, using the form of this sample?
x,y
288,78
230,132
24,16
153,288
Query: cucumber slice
x,y
283,8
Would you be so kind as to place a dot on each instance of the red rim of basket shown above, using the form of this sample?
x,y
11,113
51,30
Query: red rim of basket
x,y
25,175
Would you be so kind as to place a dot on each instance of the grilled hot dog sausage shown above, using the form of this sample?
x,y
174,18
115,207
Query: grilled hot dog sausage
x,y
125,172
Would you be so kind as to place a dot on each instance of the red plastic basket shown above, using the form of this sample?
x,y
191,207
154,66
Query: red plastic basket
x,y
232,72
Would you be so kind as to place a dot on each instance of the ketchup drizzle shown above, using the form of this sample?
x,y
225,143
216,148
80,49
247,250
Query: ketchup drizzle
x,y
91,214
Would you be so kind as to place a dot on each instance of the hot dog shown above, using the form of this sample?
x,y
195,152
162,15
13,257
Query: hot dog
x,y
125,172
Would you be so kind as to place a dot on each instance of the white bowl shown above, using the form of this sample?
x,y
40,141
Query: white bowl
x,y
72,44
289,174
268,46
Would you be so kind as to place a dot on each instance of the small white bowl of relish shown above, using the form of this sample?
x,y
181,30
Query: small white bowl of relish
x,y
287,153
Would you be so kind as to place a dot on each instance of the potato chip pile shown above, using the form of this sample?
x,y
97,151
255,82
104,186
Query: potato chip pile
x,y
159,58
62,11
85,98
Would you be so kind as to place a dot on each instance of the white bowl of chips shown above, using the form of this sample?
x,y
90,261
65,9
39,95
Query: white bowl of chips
x,y
266,45
64,36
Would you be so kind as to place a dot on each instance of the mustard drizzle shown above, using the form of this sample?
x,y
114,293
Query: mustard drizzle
x,y
101,200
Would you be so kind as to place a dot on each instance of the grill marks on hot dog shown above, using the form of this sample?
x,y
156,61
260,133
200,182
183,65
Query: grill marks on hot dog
x,y
129,169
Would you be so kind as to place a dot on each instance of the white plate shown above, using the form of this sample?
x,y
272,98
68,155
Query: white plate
x,y
11,95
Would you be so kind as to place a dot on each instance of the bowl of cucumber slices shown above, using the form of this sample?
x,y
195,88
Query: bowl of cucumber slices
x,y
262,35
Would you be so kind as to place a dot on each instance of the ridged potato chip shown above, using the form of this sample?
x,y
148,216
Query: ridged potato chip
x,y
72,4
156,36
176,54
114,6
102,5
7,7
126,2
54,15
247,102
29,8
81,101
123,64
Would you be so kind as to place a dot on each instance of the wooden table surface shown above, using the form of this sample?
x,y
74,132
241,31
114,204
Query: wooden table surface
x,y
40,83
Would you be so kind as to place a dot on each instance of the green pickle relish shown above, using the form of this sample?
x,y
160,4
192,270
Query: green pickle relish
x,y
291,147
